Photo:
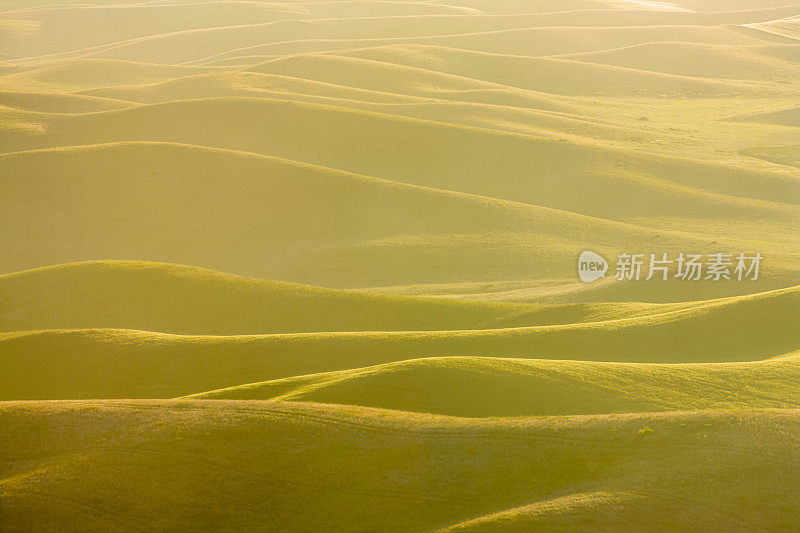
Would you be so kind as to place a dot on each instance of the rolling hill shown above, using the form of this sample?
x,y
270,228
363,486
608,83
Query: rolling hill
x,y
63,363
252,465
321,225
80,74
59,103
782,155
603,182
783,117
493,387
183,300
704,61
311,266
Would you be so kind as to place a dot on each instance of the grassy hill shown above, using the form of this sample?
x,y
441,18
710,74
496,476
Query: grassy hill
x,y
265,208
700,60
527,41
782,155
316,225
539,74
444,156
783,117
178,299
60,103
604,182
311,266
788,27
254,465
558,76
197,44
251,84
97,25
489,387
64,363
81,74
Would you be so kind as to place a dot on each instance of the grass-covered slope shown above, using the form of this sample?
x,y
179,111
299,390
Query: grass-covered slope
x,y
482,386
187,300
782,155
550,75
407,187
81,74
182,204
782,117
701,60
287,220
441,156
60,103
102,363
307,467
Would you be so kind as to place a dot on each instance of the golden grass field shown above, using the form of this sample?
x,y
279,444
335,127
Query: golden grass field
x,y
312,266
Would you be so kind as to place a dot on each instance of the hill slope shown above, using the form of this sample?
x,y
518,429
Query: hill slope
x,y
700,60
287,220
64,363
407,187
482,386
255,465
183,204
177,299
442,156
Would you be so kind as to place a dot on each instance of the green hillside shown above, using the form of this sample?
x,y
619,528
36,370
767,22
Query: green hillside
x,y
337,229
313,266
254,465
186,300
487,387
138,364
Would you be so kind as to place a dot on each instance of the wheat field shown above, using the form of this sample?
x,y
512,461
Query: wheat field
x,y
313,265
